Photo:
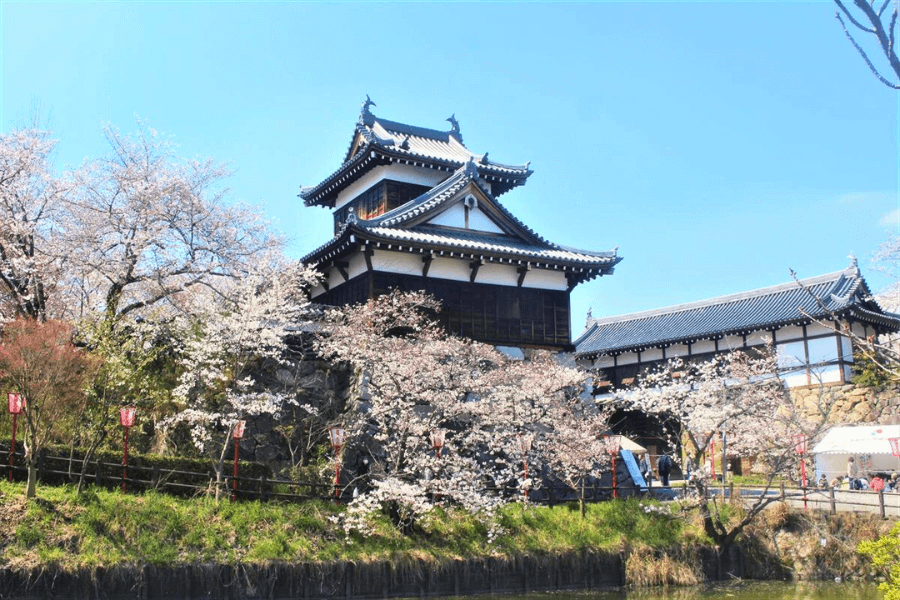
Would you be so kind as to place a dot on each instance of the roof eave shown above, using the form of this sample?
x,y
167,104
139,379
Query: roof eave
x,y
325,193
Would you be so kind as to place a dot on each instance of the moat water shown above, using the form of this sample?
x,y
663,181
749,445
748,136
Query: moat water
x,y
726,591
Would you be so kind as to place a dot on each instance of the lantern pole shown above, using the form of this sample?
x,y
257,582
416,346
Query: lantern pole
x,y
613,443
16,406
437,443
800,445
236,435
337,436
126,420
525,443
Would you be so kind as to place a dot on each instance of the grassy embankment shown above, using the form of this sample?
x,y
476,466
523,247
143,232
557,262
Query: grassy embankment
x,y
104,528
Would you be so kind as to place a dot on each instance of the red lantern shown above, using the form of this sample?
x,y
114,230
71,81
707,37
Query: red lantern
x,y
613,445
437,440
800,445
126,420
16,406
15,403
338,437
236,434
126,416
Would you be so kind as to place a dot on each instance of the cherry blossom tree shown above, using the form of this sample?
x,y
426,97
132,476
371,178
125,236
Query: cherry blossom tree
x,y
416,379
29,205
120,233
736,393
145,225
39,361
574,450
228,338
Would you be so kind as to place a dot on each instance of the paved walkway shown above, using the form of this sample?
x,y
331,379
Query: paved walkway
x,y
843,500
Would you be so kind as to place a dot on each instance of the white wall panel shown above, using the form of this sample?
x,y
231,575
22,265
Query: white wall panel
x,y
448,268
791,332
703,346
629,358
407,263
677,350
651,354
731,342
816,329
604,362
546,280
497,274
405,173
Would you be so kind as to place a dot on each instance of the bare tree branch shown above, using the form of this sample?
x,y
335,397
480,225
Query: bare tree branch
x,y
885,35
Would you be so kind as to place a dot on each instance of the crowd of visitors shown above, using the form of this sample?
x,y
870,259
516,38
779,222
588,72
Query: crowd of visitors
x,y
857,480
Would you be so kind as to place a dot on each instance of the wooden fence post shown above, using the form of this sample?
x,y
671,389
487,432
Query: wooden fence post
x,y
154,477
832,500
783,497
98,479
881,502
262,487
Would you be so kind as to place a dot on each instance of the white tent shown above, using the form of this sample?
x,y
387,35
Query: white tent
x,y
868,444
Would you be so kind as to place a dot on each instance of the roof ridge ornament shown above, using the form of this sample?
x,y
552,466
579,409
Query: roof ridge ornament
x,y
365,115
454,127
351,217
471,169
854,264
484,159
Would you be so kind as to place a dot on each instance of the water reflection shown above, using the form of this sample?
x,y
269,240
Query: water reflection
x,y
731,591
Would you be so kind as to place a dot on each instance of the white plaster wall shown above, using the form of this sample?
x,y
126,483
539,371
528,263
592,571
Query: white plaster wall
x,y
317,291
629,358
703,346
357,265
858,329
731,342
651,354
605,362
455,216
817,329
791,332
497,274
406,263
758,338
677,350
397,172
481,222
449,268
545,279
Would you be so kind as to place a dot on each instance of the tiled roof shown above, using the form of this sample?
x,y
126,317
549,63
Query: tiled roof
x,y
475,241
390,141
434,198
521,244
842,293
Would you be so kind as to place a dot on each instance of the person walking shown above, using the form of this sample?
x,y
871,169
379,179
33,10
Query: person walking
x,y
646,469
853,473
664,466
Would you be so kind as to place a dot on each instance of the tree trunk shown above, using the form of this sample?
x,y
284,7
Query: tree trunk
x,y
31,486
581,501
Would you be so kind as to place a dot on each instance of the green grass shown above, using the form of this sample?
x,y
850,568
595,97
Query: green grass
x,y
104,528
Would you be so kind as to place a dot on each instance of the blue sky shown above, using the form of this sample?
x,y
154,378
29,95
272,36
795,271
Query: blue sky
x,y
716,144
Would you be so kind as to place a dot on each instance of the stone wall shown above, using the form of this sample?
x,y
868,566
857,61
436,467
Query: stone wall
x,y
851,404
